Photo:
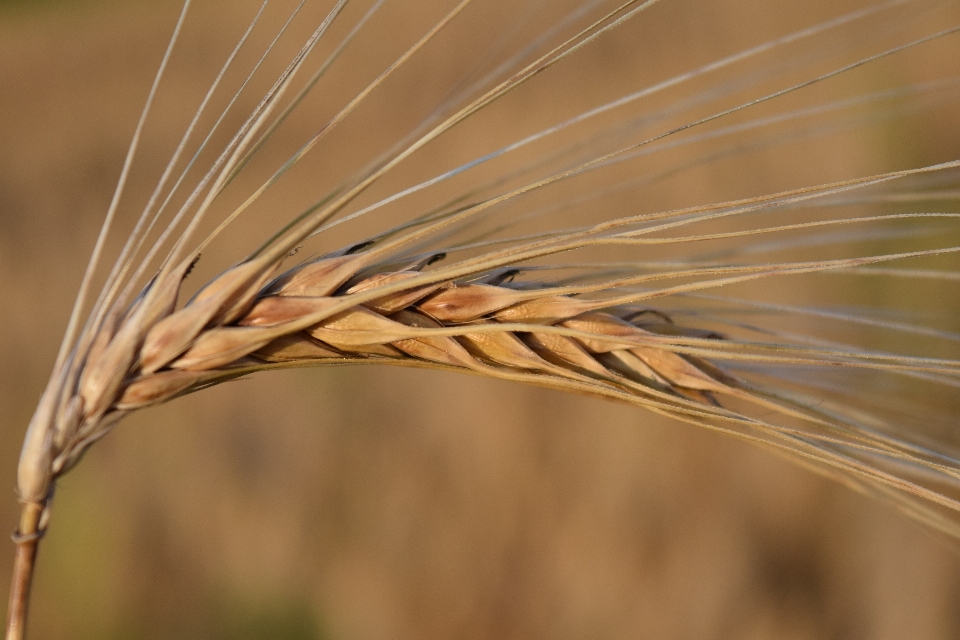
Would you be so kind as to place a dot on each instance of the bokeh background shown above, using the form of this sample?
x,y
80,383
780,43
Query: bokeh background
x,y
371,502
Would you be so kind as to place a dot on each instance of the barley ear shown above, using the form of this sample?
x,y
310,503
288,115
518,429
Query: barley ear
x,y
462,286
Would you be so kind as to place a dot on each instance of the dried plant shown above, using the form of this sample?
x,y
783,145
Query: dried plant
x,y
484,280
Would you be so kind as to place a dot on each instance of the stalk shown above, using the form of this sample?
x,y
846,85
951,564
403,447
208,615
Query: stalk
x,y
27,538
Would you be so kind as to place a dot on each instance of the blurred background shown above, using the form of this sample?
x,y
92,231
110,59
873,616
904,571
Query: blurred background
x,y
372,502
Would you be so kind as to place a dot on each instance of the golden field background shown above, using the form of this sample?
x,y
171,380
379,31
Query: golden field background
x,y
372,502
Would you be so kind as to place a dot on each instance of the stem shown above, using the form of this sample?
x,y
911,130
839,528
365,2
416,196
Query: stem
x,y
27,538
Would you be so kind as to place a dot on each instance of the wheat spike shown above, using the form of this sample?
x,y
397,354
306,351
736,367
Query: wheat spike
x,y
456,287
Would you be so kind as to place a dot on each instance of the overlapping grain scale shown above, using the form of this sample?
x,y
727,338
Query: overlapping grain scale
x,y
438,349
225,299
115,345
564,351
146,390
296,347
359,327
677,370
546,310
228,299
605,334
466,303
391,303
321,277
222,346
605,350
506,349
443,323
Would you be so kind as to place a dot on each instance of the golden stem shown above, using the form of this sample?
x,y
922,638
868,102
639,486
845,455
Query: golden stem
x,y
27,538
